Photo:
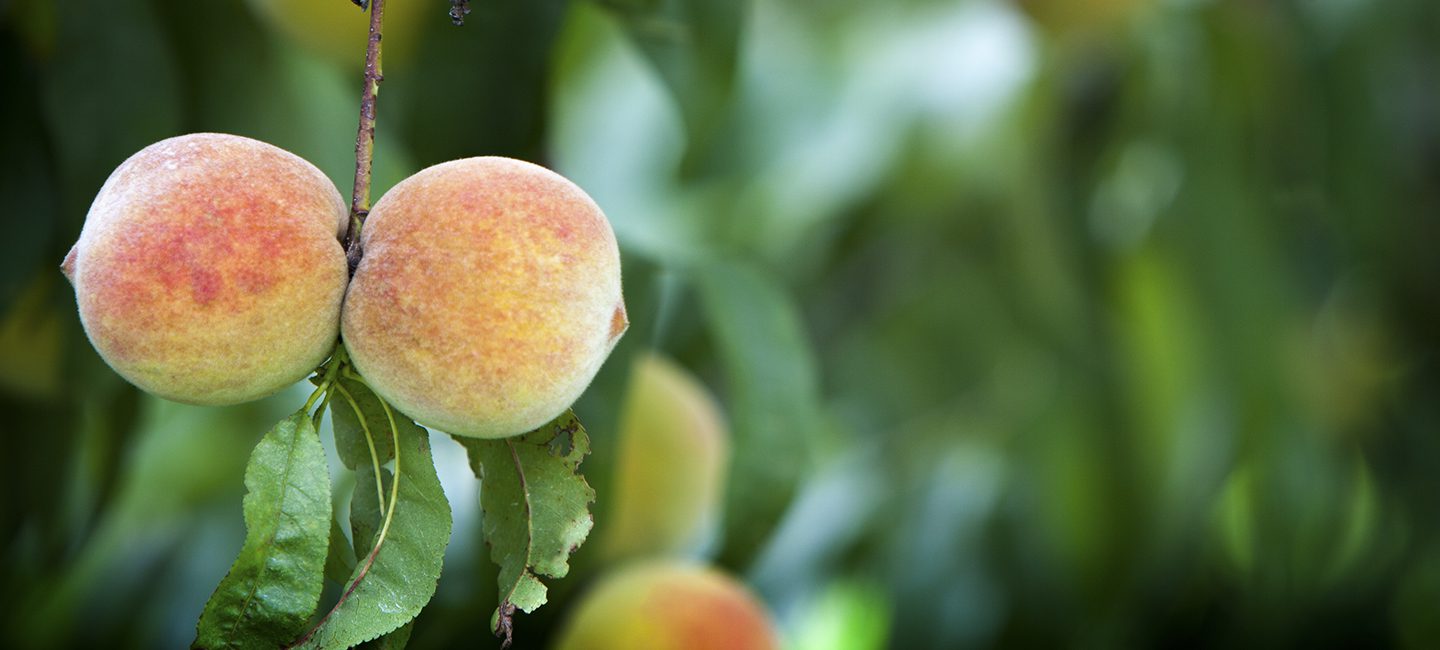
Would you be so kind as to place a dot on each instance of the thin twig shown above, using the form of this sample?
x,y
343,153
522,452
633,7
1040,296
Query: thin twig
x,y
458,10
365,136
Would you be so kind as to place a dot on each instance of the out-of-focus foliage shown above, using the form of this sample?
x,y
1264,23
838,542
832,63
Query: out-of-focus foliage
x,y
1037,323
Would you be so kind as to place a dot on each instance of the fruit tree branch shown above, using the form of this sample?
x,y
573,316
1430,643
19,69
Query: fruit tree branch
x,y
365,137
458,11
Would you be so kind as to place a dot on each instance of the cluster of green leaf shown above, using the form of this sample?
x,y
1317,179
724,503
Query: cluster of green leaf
x,y
272,591
535,501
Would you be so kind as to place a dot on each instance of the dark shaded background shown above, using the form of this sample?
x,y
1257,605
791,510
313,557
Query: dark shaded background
x,y
1100,323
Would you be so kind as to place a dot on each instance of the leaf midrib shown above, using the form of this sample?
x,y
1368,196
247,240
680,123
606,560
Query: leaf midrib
x,y
529,521
270,540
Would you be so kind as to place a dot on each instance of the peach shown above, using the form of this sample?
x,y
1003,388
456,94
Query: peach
x,y
670,465
668,606
487,296
209,269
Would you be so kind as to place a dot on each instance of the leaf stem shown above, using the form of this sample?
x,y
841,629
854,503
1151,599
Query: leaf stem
x,y
369,440
379,537
319,413
395,483
395,438
504,623
365,137
329,369
319,390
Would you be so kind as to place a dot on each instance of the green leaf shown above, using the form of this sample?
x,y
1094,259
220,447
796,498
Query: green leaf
x,y
274,584
398,576
27,180
396,640
339,563
366,518
366,513
350,441
774,397
503,45
536,508
105,50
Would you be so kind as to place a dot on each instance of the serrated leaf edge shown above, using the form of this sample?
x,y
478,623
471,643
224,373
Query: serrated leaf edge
x,y
379,537
279,512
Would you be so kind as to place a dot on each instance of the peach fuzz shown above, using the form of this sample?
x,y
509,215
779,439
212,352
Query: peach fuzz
x,y
668,606
672,451
486,298
209,269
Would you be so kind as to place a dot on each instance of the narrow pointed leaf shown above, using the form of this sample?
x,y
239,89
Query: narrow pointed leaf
x,y
396,640
275,582
390,586
340,561
366,518
536,508
350,442
694,45
366,515
774,397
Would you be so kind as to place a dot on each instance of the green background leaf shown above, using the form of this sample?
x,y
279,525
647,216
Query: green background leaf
x,y
693,45
774,396
366,515
340,561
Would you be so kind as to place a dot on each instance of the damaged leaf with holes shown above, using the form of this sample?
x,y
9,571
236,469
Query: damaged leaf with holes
x,y
536,508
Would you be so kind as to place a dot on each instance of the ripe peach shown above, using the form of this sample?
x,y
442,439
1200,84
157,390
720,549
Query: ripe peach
x,y
487,296
670,464
209,270
668,606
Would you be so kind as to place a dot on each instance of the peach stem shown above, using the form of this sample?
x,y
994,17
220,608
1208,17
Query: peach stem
x,y
365,136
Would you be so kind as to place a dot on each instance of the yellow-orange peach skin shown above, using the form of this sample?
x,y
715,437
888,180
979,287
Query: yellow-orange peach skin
x,y
487,296
209,269
668,606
